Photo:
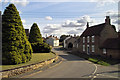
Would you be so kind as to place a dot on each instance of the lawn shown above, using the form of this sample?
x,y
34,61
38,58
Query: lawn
x,y
37,57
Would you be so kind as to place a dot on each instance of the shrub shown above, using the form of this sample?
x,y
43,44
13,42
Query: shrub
x,y
35,35
41,48
36,40
16,48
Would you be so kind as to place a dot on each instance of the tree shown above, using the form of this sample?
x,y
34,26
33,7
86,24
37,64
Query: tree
x,y
36,40
63,37
35,35
16,48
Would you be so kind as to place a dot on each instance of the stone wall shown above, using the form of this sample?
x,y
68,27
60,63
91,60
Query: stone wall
x,y
23,69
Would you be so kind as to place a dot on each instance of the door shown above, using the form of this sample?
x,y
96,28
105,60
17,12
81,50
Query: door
x,y
88,49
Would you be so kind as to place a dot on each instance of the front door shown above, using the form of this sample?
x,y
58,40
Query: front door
x,y
88,49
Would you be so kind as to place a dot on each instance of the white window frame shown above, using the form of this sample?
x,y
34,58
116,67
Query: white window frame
x,y
83,47
83,39
104,51
93,48
93,38
88,39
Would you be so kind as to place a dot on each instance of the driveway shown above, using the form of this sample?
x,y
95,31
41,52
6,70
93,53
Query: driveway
x,y
73,67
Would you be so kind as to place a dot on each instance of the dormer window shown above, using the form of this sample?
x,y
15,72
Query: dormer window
x,y
93,38
83,39
88,39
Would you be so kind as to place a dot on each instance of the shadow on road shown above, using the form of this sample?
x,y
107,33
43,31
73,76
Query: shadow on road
x,y
68,57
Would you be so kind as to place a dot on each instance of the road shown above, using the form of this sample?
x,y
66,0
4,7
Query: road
x,y
74,67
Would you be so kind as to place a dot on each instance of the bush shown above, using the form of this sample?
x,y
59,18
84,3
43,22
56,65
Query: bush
x,y
36,40
16,48
41,48
35,35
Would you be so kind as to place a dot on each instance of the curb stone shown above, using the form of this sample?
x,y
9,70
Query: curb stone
x,y
16,71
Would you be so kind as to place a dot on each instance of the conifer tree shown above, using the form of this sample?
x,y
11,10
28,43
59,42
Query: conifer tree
x,y
36,40
35,35
16,48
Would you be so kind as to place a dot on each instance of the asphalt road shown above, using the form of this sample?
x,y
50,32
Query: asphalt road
x,y
74,67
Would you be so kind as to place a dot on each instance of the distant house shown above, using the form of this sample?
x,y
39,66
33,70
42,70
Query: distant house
x,y
94,37
53,41
71,42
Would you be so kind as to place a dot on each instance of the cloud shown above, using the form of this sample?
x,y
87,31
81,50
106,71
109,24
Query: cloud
x,y
73,32
50,28
79,22
48,18
17,2
69,23
101,3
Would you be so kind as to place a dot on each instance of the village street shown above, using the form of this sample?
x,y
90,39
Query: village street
x,y
73,67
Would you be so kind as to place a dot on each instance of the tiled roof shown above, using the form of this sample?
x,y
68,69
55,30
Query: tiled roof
x,y
93,30
55,38
112,43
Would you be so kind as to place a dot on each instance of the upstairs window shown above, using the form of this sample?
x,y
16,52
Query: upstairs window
x,y
83,39
88,39
93,38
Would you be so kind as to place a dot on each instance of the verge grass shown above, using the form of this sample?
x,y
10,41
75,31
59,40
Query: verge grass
x,y
98,59
37,57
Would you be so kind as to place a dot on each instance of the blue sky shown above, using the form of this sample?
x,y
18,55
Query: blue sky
x,y
59,18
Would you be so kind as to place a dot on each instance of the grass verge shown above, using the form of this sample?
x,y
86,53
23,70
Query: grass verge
x,y
98,59
37,57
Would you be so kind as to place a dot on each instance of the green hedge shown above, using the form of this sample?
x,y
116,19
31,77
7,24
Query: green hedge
x,y
41,48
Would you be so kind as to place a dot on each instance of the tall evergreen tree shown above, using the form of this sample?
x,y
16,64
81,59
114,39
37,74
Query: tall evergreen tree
x,y
16,48
35,35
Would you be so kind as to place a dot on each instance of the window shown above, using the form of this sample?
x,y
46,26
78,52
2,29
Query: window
x,y
83,47
83,39
93,38
77,45
88,39
104,51
73,45
93,48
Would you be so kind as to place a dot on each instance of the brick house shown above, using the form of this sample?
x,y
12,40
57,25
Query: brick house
x,y
111,48
93,37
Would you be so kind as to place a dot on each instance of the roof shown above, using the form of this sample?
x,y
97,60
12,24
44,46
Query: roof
x,y
55,38
111,43
93,30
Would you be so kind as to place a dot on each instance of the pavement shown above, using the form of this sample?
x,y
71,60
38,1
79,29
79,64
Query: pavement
x,y
73,66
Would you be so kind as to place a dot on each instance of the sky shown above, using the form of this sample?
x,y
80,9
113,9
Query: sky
x,y
65,16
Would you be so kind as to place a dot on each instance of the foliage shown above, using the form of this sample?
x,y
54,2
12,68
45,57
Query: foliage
x,y
36,58
36,40
35,35
41,47
63,37
16,48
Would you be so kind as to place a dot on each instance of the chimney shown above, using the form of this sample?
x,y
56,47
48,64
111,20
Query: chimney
x,y
87,24
74,35
107,20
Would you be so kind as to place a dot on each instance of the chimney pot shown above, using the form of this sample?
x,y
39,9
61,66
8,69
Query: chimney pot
x,y
107,20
